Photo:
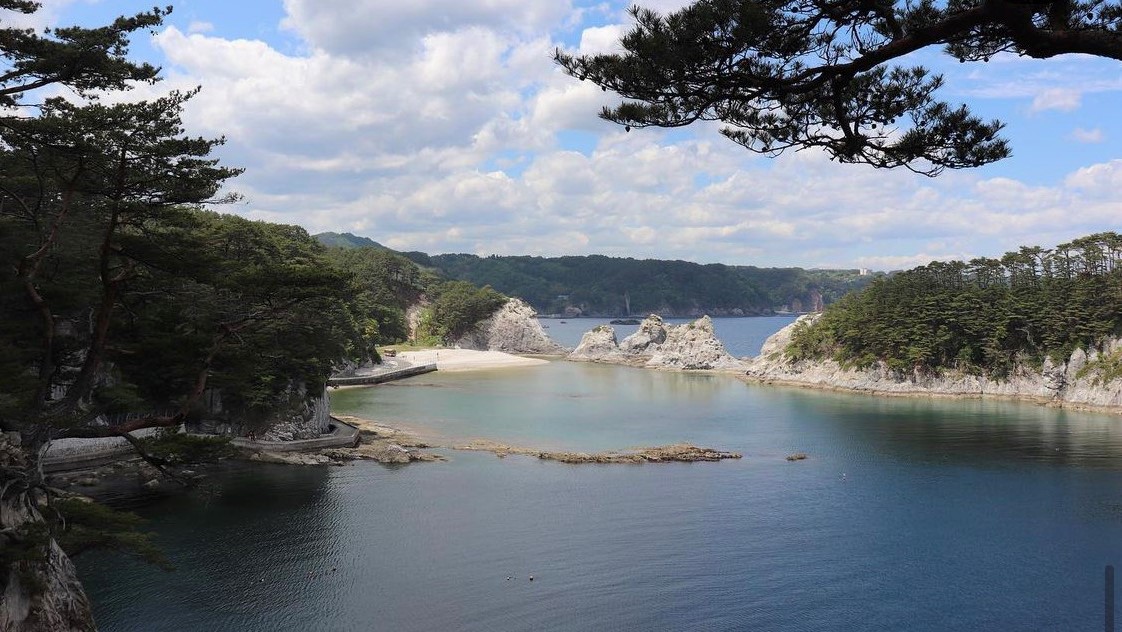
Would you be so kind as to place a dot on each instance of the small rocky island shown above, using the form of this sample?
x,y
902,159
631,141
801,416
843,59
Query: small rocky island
x,y
691,347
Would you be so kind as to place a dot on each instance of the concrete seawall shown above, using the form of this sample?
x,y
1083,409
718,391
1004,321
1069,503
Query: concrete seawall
x,y
382,376
342,435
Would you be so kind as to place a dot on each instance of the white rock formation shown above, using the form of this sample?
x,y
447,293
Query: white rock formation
x,y
693,346
514,328
1077,382
599,345
652,331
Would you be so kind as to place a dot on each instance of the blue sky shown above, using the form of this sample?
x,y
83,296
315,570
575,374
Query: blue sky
x,y
444,127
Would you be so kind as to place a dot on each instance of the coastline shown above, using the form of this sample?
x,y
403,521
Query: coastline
x,y
1071,384
468,359
1038,400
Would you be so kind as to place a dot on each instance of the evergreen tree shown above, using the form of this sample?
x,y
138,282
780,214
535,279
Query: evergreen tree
x,y
782,74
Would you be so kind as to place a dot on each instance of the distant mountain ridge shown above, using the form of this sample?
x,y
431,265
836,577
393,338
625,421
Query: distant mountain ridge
x,y
597,285
347,240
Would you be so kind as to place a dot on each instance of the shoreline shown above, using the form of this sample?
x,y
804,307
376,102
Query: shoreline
x,y
1037,400
455,360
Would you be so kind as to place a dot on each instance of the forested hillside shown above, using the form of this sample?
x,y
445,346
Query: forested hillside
x,y
980,316
596,285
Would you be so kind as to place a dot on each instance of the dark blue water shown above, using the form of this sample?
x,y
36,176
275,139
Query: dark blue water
x,y
908,515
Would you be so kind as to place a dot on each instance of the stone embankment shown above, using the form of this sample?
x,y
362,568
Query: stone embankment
x,y
514,328
1081,381
692,346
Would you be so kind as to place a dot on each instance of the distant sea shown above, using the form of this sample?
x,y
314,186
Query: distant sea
x,y
909,514
741,336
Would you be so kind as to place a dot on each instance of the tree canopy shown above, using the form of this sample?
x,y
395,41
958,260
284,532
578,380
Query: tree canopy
x,y
982,316
791,74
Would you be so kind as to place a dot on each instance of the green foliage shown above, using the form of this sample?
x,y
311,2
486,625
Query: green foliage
x,y
83,59
178,448
83,525
380,286
27,545
1104,369
26,550
982,316
457,306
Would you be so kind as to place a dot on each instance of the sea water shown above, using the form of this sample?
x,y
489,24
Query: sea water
x,y
909,514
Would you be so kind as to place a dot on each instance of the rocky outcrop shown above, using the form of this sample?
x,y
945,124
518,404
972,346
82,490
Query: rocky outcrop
x,y
599,344
514,328
693,346
309,420
651,333
1084,380
656,345
674,453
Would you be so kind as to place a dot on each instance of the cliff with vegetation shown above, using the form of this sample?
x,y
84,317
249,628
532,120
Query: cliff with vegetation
x,y
1036,324
596,285
514,328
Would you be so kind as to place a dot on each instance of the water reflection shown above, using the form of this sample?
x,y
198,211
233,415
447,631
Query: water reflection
x,y
986,432
224,543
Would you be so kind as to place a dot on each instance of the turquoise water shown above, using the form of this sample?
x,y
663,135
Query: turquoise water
x,y
909,515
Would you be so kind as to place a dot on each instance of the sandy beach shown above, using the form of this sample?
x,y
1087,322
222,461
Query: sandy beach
x,y
467,359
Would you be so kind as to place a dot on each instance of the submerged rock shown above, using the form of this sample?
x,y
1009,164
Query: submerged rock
x,y
382,452
680,452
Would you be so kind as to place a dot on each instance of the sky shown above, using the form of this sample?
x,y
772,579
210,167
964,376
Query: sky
x,y
444,126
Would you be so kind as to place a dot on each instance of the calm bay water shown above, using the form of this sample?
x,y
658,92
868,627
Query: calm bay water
x,y
909,515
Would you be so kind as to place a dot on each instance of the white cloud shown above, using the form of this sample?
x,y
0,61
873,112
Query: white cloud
x,y
446,127
1062,99
199,26
392,27
1081,135
602,39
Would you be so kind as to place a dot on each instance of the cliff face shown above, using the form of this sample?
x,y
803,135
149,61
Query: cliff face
x,y
656,345
307,418
40,593
1079,381
514,328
